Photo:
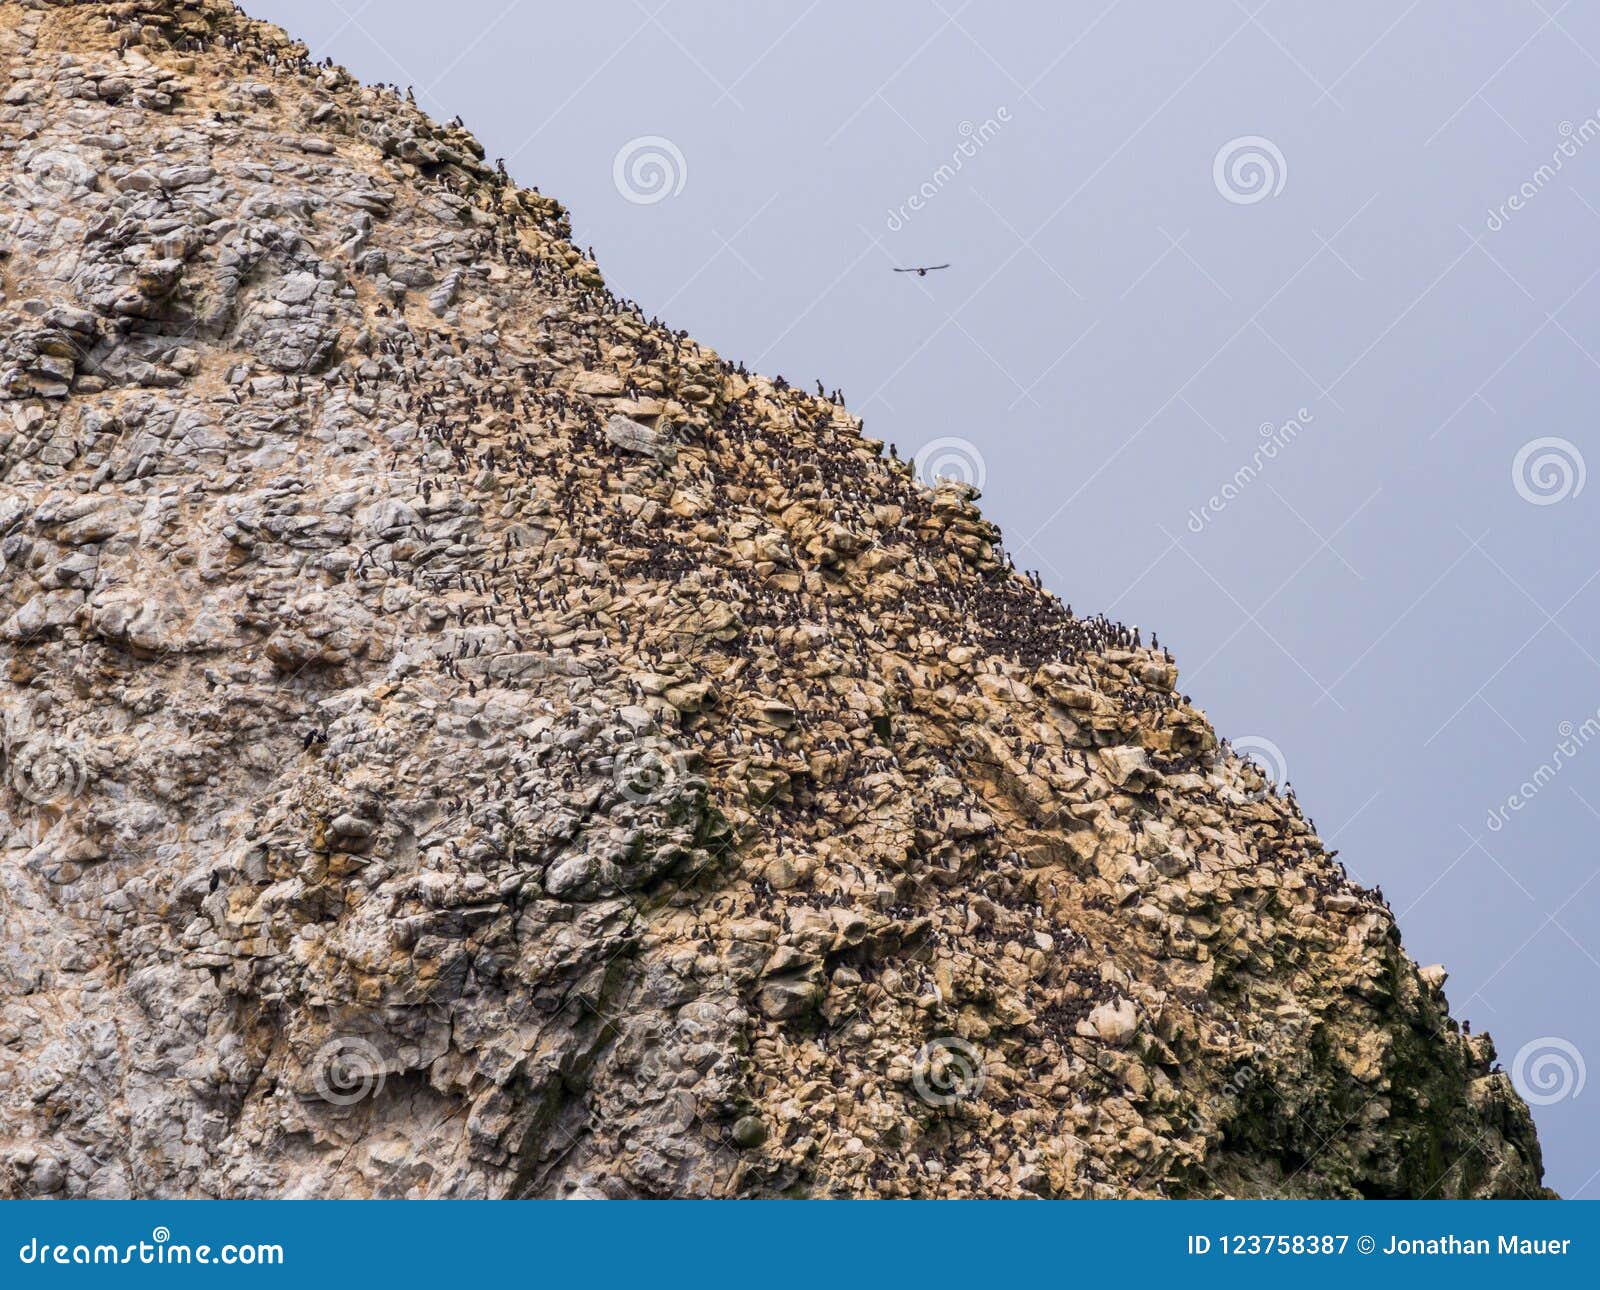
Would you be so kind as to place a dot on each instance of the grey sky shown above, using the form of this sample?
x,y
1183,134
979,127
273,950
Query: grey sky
x,y
1378,603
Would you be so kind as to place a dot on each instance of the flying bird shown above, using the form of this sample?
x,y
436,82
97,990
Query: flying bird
x,y
924,270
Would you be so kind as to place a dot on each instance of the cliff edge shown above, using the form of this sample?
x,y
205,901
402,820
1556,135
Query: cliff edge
x,y
464,738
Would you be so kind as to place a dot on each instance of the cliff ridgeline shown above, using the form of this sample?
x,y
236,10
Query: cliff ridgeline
x,y
463,738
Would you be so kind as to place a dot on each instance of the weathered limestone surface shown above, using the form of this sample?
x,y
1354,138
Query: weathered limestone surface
x,y
463,738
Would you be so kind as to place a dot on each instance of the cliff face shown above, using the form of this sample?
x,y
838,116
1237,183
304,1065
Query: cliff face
x,y
465,739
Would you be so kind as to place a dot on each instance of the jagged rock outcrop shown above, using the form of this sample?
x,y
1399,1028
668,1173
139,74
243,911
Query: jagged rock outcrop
x,y
463,738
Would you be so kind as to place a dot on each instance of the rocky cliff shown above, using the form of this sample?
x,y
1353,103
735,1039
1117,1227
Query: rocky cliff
x,y
463,738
